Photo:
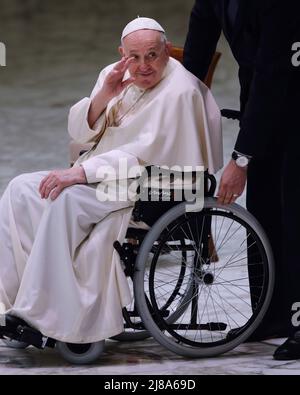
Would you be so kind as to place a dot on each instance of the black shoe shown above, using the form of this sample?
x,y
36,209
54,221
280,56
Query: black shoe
x,y
11,325
17,329
289,350
236,331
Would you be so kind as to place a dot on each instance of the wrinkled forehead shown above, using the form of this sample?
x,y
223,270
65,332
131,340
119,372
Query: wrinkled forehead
x,y
142,40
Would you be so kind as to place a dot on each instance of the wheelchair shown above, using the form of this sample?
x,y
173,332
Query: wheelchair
x,y
202,280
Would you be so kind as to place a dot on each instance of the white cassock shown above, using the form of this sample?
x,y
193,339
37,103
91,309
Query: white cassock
x,y
58,268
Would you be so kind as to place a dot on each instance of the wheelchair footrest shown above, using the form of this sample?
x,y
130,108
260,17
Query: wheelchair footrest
x,y
32,336
210,326
128,323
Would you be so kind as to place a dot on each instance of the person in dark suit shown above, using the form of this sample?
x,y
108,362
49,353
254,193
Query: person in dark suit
x,y
262,36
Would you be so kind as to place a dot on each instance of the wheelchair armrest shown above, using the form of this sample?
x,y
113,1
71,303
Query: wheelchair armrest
x,y
77,149
231,114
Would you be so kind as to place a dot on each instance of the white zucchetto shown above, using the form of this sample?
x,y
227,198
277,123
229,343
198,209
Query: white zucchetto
x,y
141,23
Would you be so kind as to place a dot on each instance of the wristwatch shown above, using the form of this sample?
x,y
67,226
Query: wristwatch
x,y
241,160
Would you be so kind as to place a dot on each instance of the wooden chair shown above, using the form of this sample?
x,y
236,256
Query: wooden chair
x,y
176,53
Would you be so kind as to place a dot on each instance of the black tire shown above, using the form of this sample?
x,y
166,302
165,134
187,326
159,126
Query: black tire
x,y
217,292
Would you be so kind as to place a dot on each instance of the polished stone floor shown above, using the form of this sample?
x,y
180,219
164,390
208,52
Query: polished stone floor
x,y
149,358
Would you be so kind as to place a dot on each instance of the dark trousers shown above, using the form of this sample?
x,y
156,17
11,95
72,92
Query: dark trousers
x,y
273,197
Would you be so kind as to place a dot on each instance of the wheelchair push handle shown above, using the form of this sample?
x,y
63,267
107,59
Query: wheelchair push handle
x,y
210,184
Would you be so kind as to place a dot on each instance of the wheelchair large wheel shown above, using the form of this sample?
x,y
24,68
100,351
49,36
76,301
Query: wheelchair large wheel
x,y
80,354
221,301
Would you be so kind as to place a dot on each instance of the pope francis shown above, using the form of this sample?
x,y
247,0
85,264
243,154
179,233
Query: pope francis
x,y
58,268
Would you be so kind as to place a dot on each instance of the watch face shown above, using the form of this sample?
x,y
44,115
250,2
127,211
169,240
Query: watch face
x,y
242,161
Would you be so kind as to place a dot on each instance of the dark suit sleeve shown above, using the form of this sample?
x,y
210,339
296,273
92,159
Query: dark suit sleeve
x,y
265,113
203,35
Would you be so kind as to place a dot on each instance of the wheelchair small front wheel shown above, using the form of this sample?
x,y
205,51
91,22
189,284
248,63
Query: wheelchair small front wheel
x,y
80,354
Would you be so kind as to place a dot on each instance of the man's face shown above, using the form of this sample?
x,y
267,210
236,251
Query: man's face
x,y
150,56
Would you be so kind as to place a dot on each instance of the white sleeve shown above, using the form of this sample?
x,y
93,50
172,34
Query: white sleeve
x,y
111,165
78,126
